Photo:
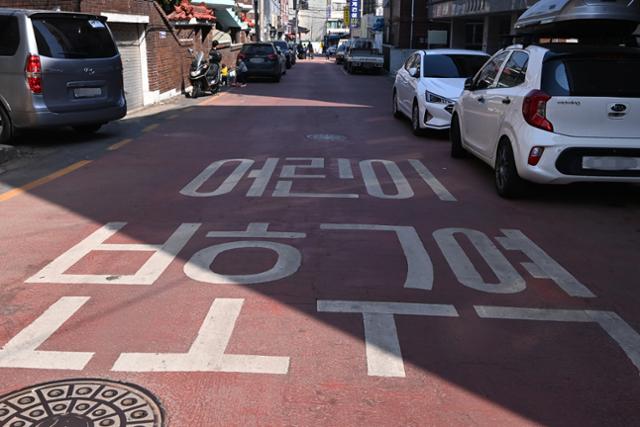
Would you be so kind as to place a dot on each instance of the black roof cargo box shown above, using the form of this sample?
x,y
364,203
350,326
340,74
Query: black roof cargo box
x,y
580,18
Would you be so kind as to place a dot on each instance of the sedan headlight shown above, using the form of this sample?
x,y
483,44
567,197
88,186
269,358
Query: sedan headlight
x,y
437,99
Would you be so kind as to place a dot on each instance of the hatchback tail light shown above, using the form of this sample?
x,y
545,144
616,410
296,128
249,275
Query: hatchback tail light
x,y
534,110
272,57
33,71
242,56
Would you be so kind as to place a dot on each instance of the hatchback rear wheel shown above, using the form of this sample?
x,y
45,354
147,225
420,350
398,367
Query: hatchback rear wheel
x,y
508,183
455,135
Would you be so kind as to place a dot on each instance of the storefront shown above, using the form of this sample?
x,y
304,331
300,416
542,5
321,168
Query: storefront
x,y
473,24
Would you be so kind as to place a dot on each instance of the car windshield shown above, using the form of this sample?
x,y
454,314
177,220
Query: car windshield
x,y
71,37
362,45
452,66
257,49
604,75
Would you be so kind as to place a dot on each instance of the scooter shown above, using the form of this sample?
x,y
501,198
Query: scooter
x,y
204,75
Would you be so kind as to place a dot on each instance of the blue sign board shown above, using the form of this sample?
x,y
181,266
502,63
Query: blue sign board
x,y
354,13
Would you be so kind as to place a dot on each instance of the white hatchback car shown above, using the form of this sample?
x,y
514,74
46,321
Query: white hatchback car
x,y
553,114
430,82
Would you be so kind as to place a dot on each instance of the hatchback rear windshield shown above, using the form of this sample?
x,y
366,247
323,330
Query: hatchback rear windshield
x,y
452,66
71,37
606,75
257,49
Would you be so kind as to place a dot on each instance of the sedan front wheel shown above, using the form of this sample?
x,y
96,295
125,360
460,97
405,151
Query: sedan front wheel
x,y
415,120
394,107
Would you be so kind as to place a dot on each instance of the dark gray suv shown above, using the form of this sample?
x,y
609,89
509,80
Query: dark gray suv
x,y
58,69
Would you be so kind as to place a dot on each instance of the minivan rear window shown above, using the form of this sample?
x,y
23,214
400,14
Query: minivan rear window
x,y
72,37
9,35
606,75
258,49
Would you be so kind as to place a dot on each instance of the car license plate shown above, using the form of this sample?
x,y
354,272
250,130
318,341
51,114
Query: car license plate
x,y
87,92
256,60
611,163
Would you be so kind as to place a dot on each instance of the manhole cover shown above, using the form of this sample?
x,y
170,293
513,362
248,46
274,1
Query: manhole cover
x,y
326,137
81,403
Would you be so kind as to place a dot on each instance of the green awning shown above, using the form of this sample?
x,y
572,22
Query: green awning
x,y
227,18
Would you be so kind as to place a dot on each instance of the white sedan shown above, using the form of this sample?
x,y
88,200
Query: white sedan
x,y
429,83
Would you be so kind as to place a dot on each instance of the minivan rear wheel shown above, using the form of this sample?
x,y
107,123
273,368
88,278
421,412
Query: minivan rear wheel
x,y
6,128
88,129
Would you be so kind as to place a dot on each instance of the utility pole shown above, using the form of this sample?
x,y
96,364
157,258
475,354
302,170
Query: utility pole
x,y
256,9
297,27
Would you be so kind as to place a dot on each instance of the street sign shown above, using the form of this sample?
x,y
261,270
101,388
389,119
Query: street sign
x,y
354,13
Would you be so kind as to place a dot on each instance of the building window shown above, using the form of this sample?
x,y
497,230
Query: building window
x,y
473,35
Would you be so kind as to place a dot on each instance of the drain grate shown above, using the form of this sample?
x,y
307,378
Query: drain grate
x,y
326,137
81,403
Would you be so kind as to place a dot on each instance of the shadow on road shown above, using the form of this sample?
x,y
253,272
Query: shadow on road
x,y
540,372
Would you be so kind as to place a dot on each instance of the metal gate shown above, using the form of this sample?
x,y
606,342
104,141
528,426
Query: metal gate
x,y
127,38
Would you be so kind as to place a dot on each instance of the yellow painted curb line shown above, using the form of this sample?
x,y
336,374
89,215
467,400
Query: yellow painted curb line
x,y
38,182
119,144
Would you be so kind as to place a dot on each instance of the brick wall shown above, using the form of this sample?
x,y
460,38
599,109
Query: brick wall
x,y
70,5
168,59
167,56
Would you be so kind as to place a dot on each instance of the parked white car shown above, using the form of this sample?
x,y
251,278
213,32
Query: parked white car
x,y
553,114
430,82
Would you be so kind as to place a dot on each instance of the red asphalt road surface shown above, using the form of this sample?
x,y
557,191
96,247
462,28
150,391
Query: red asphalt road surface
x,y
464,370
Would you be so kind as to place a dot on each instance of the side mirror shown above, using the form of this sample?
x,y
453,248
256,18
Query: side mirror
x,y
468,84
413,72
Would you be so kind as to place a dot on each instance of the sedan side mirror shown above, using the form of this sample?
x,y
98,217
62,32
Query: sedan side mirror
x,y
413,72
468,84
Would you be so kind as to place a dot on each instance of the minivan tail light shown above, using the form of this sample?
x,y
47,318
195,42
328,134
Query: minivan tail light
x,y
534,110
33,71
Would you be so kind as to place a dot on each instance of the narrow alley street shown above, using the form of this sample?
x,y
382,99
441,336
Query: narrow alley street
x,y
291,254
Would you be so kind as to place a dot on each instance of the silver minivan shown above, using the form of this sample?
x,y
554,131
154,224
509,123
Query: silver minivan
x,y
58,69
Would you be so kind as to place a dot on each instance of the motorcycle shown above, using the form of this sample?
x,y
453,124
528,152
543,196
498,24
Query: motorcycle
x,y
205,75
302,53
